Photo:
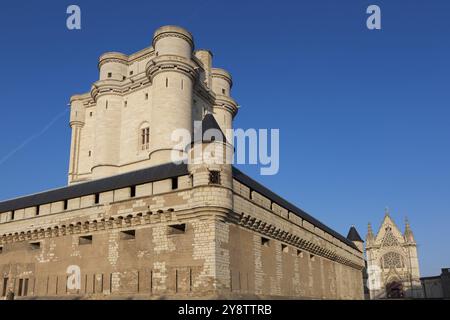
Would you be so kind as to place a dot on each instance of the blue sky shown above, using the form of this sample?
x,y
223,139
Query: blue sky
x,y
363,115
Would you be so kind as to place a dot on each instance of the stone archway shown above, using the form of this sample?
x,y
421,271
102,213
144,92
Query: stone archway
x,y
394,289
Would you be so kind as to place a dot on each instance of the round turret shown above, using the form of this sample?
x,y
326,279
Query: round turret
x,y
221,82
173,40
77,111
113,66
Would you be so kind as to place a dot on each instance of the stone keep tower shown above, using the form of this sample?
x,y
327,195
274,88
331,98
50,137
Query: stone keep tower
x,y
126,121
393,265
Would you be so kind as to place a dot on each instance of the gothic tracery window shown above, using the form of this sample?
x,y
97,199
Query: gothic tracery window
x,y
389,239
392,260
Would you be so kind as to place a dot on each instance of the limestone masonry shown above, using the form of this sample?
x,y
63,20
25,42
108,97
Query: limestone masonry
x,y
137,225
392,262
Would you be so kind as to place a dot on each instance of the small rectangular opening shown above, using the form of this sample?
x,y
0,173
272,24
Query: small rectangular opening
x,y
25,288
19,292
146,96
83,240
5,286
175,183
35,245
177,228
265,242
284,248
37,210
66,203
97,198
128,235
131,73
12,215
133,191
214,177
1,250
109,74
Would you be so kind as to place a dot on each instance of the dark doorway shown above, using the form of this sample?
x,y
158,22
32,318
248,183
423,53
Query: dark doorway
x,y
394,290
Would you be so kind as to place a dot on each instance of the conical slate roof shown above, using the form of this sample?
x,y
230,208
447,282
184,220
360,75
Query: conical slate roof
x,y
208,122
353,235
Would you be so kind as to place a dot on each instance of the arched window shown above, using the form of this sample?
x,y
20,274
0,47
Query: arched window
x,y
144,136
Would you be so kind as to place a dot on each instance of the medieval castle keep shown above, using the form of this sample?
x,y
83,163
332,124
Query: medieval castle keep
x,y
136,225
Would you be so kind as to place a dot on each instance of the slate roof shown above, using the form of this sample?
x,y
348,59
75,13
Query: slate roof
x,y
208,122
151,174
254,185
353,235
156,173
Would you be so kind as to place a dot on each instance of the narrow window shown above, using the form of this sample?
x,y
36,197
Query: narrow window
x,y
265,242
109,74
1,250
182,84
223,91
131,73
124,77
214,177
145,138
25,288
133,191
97,198
284,248
90,114
177,228
174,183
19,293
84,240
35,245
128,235
5,286
37,210
66,204
167,82
146,96
106,106
12,215
125,104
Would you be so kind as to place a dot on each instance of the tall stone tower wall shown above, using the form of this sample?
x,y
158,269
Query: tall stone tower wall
x,y
164,87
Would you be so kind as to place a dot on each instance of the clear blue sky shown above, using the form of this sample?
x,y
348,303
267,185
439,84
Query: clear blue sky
x,y
363,115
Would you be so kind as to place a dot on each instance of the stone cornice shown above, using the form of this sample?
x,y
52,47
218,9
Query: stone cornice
x,y
222,74
171,63
173,31
116,57
272,231
116,87
226,102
